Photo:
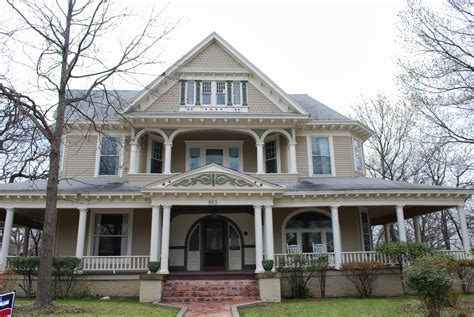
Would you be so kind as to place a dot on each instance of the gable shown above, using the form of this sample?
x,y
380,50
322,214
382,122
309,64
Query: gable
x,y
213,56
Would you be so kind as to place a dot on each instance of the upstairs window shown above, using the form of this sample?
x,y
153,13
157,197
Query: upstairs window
x,y
236,93
109,161
190,93
156,157
214,94
321,156
271,157
220,93
206,92
358,157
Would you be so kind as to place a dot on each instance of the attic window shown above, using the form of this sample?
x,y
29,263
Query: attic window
x,y
190,93
236,93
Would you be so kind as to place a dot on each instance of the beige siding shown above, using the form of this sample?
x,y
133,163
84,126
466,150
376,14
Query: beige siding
x,y
283,154
258,102
343,157
168,101
141,232
80,156
302,156
143,154
66,235
214,56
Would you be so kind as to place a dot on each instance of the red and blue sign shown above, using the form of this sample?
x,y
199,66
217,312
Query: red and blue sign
x,y
7,301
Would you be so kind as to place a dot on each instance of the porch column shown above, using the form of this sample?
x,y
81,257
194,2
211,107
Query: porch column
x,y
81,233
386,229
258,239
155,233
168,147
133,157
7,232
260,169
416,227
165,240
26,240
269,250
292,146
466,242
336,236
402,235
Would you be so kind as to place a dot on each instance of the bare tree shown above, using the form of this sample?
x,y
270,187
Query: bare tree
x,y
64,44
438,68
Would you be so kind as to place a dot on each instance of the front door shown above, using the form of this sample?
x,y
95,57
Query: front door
x,y
214,256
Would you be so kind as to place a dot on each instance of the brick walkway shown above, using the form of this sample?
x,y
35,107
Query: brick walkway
x,y
210,309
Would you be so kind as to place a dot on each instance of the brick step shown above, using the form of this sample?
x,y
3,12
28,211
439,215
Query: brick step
x,y
212,299
212,282
208,294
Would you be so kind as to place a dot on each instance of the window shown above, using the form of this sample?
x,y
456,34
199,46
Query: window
x,y
271,157
156,157
194,158
321,156
110,234
236,94
366,240
358,158
220,93
227,153
194,241
190,93
307,228
234,160
234,240
109,162
215,156
206,92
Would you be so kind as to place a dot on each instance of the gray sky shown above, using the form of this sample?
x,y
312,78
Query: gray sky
x,y
333,50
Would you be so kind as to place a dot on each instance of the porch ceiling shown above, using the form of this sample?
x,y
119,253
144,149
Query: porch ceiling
x,y
380,215
32,218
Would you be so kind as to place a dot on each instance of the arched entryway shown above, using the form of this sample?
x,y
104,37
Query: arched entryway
x,y
214,243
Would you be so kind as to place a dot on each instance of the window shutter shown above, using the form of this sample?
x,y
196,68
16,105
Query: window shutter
x,y
183,93
244,93
229,93
198,92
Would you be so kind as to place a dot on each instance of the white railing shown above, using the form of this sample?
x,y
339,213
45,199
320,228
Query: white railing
x,y
115,263
363,256
283,260
458,255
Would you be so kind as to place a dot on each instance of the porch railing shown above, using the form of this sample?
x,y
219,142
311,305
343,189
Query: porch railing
x,y
115,263
458,255
284,260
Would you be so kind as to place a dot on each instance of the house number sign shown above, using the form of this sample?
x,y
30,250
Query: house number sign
x,y
212,202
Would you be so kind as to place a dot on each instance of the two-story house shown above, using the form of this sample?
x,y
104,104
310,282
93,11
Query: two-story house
x,y
213,167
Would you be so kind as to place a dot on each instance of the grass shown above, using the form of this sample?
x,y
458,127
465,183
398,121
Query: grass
x,y
341,307
94,307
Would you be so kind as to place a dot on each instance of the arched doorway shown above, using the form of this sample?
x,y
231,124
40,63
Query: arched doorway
x,y
214,243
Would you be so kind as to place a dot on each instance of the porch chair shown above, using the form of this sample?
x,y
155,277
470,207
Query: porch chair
x,y
319,248
292,248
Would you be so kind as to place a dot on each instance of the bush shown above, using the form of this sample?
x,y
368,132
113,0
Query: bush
x,y
64,272
465,270
363,275
26,266
153,266
432,277
403,253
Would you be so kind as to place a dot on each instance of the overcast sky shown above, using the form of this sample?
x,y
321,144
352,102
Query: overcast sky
x,y
332,50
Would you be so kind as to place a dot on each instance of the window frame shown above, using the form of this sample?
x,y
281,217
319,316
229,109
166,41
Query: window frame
x,y
225,145
365,211
271,138
151,138
361,155
186,93
118,211
310,155
99,154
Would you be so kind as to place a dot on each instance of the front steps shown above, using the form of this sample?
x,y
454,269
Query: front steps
x,y
207,290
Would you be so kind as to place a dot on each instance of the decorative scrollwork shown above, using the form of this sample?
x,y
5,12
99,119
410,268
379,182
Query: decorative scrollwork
x,y
213,179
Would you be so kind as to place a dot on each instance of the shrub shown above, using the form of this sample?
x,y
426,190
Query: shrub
x,y
432,277
153,266
321,265
402,253
26,266
64,272
363,275
465,270
267,265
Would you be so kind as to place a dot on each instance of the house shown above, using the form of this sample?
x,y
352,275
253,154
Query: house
x,y
213,168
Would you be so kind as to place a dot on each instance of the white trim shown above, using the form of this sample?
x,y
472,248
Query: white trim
x,y
121,159
215,144
118,211
154,137
271,138
310,155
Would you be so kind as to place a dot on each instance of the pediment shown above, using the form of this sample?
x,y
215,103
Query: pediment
x,y
213,177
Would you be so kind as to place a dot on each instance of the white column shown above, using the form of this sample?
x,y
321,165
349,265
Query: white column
x,y
81,233
402,235
336,234
168,147
155,233
466,242
133,157
292,147
269,249
260,169
258,239
416,227
7,232
165,240
386,229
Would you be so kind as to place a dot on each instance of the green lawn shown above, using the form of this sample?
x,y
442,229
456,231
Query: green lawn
x,y
95,307
340,307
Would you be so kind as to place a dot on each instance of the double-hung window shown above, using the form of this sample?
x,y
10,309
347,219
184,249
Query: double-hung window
x,y
110,234
358,156
109,160
206,92
321,156
220,93
156,156
271,157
